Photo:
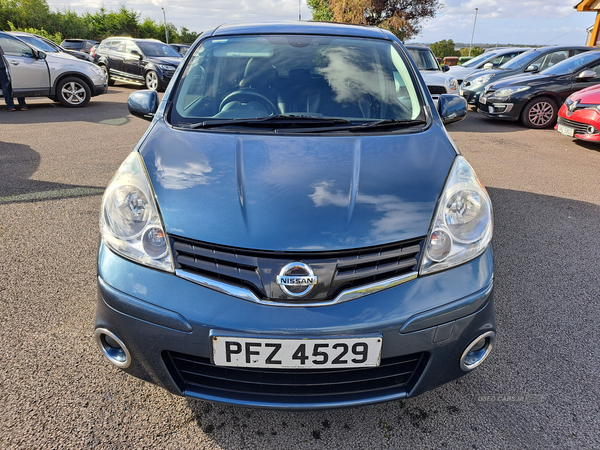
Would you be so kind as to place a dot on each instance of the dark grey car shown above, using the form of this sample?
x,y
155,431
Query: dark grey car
x,y
532,61
139,61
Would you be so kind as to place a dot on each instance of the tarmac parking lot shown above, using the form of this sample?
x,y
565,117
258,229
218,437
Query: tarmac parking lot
x,y
538,389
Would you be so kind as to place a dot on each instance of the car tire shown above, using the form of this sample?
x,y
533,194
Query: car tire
x,y
73,92
152,81
107,73
541,112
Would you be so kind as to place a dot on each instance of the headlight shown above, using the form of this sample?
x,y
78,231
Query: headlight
x,y
482,79
129,220
166,67
463,223
98,71
453,84
507,92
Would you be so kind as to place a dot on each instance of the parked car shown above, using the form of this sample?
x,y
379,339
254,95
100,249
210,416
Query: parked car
x,y
243,262
93,51
531,61
487,60
437,80
534,98
579,116
147,62
61,77
181,48
46,45
79,45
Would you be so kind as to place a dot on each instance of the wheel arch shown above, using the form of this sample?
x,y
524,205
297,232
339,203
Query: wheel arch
x,y
79,75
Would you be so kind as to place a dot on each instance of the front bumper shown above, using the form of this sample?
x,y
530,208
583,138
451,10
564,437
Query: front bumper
x,y
100,89
581,121
166,323
471,97
498,109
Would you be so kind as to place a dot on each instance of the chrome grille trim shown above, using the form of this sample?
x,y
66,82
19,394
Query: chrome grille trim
x,y
246,294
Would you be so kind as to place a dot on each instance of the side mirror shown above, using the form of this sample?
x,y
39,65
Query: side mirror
x,y
533,68
445,68
488,66
41,55
143,104
136,53
452,108
587,75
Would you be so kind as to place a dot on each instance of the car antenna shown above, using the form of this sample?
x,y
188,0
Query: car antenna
x,y
556,38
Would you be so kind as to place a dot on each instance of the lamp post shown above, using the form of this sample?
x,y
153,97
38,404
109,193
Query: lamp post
x,y
166,29
299,11
472,34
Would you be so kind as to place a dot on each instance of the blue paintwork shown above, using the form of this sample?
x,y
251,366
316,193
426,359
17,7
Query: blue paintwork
x,y
143,103
296,192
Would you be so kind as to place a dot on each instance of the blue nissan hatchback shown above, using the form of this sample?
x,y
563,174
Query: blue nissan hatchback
x,y
296,229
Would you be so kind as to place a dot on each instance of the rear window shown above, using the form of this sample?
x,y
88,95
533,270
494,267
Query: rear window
x,y
72,45
320,76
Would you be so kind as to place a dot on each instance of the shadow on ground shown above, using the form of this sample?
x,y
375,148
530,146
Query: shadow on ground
x,y
535,391
18,163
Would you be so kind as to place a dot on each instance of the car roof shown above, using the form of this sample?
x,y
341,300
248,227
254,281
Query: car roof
x,y
297,27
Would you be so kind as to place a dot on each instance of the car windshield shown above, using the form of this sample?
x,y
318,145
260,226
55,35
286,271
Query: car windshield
x,y
325,78
479,59
158,49
424,59
39,44
572,64
524,59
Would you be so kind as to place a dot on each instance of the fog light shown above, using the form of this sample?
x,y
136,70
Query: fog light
x,y
113,348
591,130
477,351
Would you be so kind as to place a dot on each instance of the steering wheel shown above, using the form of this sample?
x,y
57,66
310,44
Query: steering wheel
x,y
249,96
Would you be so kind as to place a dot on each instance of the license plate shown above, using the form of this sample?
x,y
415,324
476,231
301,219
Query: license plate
x,y
566,130
296,353
482,100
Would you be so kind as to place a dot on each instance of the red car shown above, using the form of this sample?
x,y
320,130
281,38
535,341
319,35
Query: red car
x,y
579,116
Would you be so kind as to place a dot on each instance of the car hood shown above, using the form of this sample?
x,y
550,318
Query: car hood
x,y
436,77
588,96
166,60
461,72
302,193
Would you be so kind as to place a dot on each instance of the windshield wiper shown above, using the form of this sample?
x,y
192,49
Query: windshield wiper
x,y
281,119
385,123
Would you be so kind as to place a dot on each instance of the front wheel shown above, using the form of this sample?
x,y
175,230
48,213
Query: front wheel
x,y
152,81
73,92
539,113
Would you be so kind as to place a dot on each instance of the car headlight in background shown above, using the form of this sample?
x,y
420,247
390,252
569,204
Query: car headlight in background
x,y
453,84
130,223
98,71
484,79
505,93
463,224
166,68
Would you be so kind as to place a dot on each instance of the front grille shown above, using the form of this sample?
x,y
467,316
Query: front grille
x,y
437,90
580,128
198,376
257,270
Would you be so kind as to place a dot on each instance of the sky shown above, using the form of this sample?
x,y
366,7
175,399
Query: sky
x,y
532,22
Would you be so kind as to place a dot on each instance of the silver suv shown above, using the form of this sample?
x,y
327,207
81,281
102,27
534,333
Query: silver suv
x,y
34,73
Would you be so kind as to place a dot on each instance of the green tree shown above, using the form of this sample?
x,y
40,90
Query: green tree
x,y
444,48
475,51
320,10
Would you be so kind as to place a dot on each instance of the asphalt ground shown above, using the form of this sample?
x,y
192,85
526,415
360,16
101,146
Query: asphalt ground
x,y
538,390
